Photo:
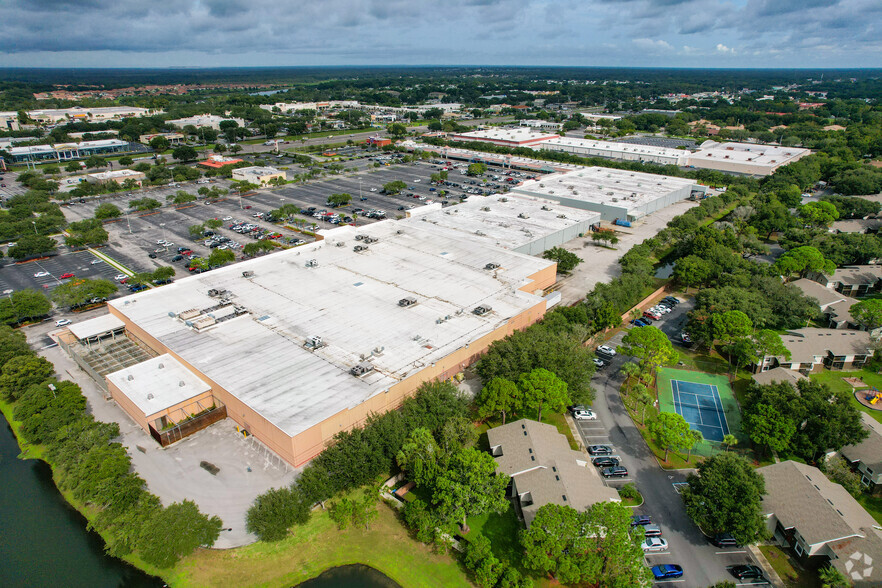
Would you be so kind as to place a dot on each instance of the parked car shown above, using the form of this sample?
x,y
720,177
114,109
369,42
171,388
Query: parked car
x,y
598,363
120,277
666,571
151,255
654,316
654,544
577,407
62,322
614,472
640,519
96,261
672,299
604,462
599,450
744,572
66,276
639,322
652,531
41,274
724,540
606,350
585,415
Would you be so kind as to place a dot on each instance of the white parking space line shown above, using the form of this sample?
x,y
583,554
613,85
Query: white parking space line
x,y
668,581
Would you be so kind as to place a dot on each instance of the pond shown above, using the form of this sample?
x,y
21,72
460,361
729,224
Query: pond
x,y
44,541
354,576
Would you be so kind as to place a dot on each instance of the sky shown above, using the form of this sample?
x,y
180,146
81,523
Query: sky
x,y
613,33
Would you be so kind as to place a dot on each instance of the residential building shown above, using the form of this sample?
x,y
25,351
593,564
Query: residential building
x,y
118,175
258,175
68,151
302,344
857,225
866,456
208,121
821,522
835,305
614,193
812,349
544,470
853,280
778,375
750,159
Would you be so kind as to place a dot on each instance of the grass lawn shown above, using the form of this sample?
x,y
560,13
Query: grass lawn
x,y
317,546
793,574
502,531
837,384
873,505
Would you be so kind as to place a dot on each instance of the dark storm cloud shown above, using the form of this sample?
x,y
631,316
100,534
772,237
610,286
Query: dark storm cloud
x,y
615,32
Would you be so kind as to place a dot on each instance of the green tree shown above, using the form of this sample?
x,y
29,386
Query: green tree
x,y
95,161
643,399
220,257
185,153
107,210
731,325
397,130
274,512
196,231
175,532
422,458
73,167
23,371
541,387
78,292
337,200
566,260
86,233
692,270
213,223
818,214
394,187
669,431
498,396
29,304
477,169
12,344
769,428
469,486
126,160
867,313
690,440
803,260
725,496
840,472
729,440
830,577
31,245
650,345
159,144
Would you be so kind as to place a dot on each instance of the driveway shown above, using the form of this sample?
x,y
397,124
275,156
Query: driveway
x,y
703,563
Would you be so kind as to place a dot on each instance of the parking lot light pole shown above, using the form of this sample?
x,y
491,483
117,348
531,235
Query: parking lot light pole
x,y
35,228
163,231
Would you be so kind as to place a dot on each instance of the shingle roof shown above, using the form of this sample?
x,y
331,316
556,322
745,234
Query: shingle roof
x,y
778,374
801,497
806,344
857,274
825,296
542,463
868,451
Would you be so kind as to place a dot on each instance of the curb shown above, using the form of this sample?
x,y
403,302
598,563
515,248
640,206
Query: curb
x,y
773,577
111,262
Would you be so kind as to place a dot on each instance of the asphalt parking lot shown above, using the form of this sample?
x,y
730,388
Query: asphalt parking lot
x,y
20,276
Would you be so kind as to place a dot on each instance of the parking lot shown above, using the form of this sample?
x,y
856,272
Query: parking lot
x,y
45,274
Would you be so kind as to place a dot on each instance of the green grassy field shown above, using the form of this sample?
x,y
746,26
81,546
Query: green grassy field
x,y
836,383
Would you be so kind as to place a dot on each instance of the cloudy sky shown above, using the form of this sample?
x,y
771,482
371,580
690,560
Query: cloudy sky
x,y
672,33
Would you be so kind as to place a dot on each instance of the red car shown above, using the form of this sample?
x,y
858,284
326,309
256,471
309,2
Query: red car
x,y
247,207
65,276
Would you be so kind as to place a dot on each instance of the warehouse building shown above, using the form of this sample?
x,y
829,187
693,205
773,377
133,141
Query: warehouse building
x,y
748,159
302,344
258,175
614,193
68,151
519,223
89,114
507,137
615,150
9,120
118,175
208,121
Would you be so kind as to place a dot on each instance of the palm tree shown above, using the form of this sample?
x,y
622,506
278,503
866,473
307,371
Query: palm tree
x,y
729,440
629,370
693,438
643,397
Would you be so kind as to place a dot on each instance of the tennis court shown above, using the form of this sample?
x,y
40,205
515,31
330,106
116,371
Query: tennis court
x,y
700,406
705,401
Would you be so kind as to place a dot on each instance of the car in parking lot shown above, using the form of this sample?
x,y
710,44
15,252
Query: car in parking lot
x,y
606,350
667,571
151,255
640,322
119,277
96,261
599,450
746,571
585,415
641,520
62,322
651,531
598,363
654,316
66,276
724,540
604,462
614,472
654,544
672,299
41,274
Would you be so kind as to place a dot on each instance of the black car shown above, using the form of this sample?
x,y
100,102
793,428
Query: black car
x,y
151,255
724,540
605,462
614,472
672,300
177,258
600,450
744,572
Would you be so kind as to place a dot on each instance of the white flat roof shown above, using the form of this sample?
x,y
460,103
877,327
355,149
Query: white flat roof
x,y
514,135
158,384
57,146
116,173
95,326
257,170
351,301
613,147
747,153
603,185
512,220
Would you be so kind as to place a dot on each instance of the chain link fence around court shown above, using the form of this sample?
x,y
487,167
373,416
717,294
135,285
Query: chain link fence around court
x,y
731,410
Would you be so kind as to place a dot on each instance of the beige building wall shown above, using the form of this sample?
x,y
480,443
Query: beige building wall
x,y
301,448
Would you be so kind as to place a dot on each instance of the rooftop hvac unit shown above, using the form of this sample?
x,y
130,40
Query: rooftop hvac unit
x,y
409,301
370,240
523,215
361,369
485,208
314,342
545,208
341,244
503,199
491,266
311,263
359,248
561,216
482,310
359,237
214,293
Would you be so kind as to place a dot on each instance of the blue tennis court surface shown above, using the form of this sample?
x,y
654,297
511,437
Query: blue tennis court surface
x,y
700,406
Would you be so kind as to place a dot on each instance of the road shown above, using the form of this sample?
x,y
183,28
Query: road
x,y
703,563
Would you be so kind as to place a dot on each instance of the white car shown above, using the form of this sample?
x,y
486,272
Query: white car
x,y
585,415
654,544
417,181
228,218
41,274
96,261
373,189
62,322
606,350
120,277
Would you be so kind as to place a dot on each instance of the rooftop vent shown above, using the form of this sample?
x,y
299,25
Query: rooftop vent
x,y
361,369
314,342
409,301
150,396
162,365
491,266
248,274
359,248
130,377
523,215
312,263
482,310
340,244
